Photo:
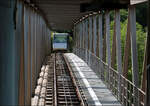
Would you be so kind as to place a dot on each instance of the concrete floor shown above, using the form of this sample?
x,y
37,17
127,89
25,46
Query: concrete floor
x,y
95,91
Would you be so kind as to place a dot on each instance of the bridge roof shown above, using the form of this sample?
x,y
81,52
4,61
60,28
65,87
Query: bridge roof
x,y
61,14
132,2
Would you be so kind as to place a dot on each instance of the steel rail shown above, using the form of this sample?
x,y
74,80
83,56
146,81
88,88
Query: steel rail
x,y
74,82
55,82
64,87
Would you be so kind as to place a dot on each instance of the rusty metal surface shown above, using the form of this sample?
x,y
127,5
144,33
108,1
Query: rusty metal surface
x,y
20,31
60,88
25,40
36,46
79,91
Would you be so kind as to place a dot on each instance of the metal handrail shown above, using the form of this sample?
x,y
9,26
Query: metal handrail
x,y
129,94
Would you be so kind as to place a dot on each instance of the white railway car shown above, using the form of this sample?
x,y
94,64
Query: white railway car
x,y
60,41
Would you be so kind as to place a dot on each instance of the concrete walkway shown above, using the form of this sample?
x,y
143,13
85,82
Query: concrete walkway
x,y
95,91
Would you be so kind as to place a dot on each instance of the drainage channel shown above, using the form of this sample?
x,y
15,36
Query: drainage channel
x,y
61,89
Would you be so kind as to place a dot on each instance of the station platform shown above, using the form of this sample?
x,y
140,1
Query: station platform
x,y
95,91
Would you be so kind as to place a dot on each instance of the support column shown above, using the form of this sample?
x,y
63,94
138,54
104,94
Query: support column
x,y
20,27
113,57
86,39
104,43
79,38
126,51
80,34
83,34
74,34
90,35
107,17
118,49
135,73
148,60
95,34
100,34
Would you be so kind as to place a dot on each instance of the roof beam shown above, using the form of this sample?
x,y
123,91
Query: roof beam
x,y
133,2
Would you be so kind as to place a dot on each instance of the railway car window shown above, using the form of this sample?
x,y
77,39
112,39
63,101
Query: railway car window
x,y
60,41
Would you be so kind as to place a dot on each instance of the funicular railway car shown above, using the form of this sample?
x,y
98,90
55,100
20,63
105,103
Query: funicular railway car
x,y
60,41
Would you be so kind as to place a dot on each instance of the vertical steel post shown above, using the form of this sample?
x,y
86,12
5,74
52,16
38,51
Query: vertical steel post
x,y
78,39
75,31
20,28
113,57
74,42
80,34
84,56
148,86
95,34
84,34
132,16
86,39
148,60
90,34
100,32
135,72
126,50
107,17
118,49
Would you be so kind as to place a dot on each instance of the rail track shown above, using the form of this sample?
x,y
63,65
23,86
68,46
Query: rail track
x,y
61,87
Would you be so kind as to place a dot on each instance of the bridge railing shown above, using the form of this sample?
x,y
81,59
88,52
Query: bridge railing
x,y
93,41
128,95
